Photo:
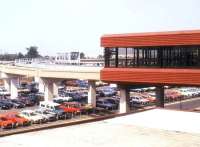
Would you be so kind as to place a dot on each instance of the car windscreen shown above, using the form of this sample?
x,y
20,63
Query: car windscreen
x,y
33,114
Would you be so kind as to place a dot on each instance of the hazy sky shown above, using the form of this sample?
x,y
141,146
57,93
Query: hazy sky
x,y
66,25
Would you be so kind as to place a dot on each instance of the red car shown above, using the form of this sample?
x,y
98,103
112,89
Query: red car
x,y
18,120
6,123
70,107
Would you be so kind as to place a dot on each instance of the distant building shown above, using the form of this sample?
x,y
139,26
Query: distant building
x,y
68,58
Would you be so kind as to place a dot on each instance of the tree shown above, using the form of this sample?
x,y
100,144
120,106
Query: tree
x,y
82,55
20,55
100,57
32,52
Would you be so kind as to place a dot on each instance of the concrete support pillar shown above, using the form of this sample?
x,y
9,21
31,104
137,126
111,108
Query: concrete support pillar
x,y
160,96
48,90
40,84
14,82
92,93
124,106
7,84
55,88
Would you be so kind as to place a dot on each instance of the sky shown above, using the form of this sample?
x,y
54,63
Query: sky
x,y
77,25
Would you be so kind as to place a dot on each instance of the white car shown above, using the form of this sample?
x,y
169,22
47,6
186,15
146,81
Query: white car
x,y
50,116
32,116
3,91
139,100
62,99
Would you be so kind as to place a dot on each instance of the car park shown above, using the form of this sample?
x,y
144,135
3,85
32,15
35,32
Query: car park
x,y
32,116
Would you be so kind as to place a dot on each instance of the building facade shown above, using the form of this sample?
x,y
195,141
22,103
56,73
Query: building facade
x,y
164,58
158,59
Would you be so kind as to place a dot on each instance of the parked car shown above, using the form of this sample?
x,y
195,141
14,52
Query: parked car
x,y
17,103
53,107
27,101
18,120
5,123
113,101
50,116
61,100
3,91
106,92
138,100
105,104
7,103
3,106
32,116
71,107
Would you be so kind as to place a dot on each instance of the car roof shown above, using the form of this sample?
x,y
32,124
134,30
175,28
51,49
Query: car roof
x,y
28,111
49,103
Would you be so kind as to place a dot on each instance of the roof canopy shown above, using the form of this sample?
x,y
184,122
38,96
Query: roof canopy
x,y
173,38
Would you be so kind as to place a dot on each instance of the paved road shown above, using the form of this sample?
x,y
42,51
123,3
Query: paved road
x,y
147,129
185,105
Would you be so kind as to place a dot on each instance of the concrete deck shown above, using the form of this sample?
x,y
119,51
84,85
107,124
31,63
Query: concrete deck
x,y
153,128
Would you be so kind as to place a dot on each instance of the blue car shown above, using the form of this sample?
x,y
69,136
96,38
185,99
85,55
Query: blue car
x,y
106,104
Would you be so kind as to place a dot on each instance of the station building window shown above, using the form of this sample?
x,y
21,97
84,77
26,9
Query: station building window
x,y
161,57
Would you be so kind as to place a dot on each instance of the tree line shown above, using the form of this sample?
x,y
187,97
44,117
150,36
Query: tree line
x,y
32,52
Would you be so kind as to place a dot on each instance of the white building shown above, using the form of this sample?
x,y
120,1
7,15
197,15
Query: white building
x,y
68,58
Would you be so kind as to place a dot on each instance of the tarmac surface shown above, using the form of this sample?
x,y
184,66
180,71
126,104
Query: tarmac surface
x,y
153,128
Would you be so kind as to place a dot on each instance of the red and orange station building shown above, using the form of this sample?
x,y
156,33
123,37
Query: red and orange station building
x,y
159,59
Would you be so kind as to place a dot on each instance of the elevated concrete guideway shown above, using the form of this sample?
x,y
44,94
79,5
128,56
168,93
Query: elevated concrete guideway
x,y
54,71
48,76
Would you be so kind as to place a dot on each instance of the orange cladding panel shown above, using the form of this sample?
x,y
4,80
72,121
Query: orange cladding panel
x,y
173,38
151,76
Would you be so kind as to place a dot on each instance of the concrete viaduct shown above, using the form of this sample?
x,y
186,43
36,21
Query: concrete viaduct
x,y
48,78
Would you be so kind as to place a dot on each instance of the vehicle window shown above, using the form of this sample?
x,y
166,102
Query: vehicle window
x,y
32,114
45,112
